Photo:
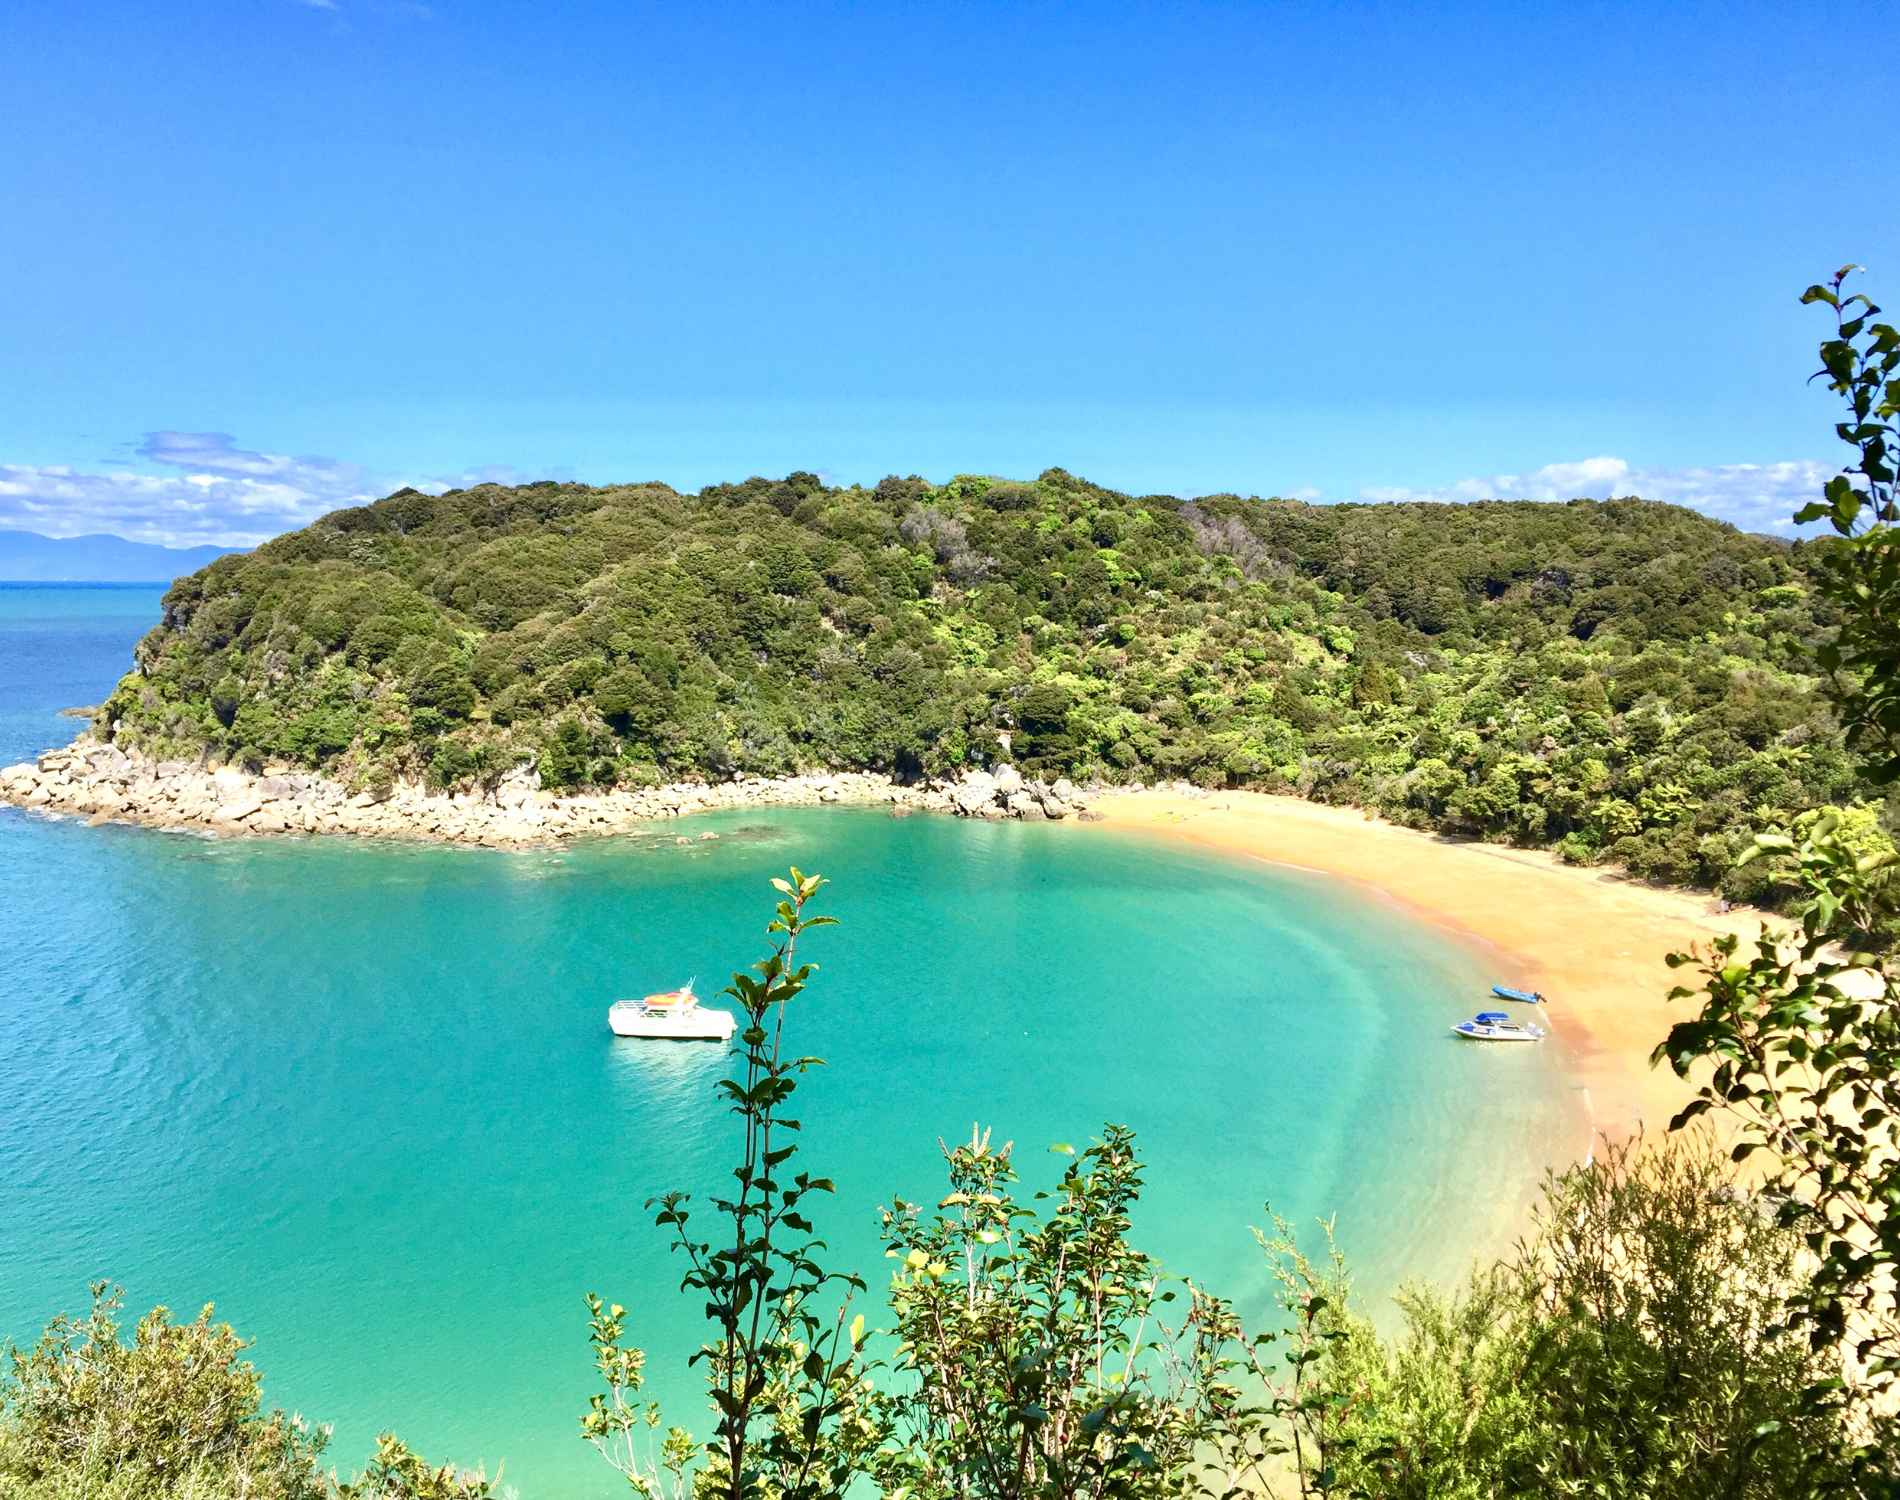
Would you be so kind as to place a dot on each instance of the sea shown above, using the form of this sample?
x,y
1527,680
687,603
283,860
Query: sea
x,y
362,1096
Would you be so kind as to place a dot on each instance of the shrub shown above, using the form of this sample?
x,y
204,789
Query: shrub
x,y
1036,1353
176,1414
177,1411
566,756
1628,1349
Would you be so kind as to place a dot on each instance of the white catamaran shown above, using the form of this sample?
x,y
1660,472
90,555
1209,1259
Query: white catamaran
x,y
673,1014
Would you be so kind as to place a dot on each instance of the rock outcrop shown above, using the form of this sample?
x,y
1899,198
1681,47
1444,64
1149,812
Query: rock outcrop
x,y
110,784
1005,793
107,783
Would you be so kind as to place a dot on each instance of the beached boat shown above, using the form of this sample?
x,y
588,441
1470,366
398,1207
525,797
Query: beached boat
x,y
675,1015
1496,1026
1528,997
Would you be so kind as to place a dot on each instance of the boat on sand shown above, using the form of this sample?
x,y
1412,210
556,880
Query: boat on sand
x,y
674,1015
1527,997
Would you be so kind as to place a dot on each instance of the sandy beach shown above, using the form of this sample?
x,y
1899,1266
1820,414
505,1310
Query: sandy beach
x,y
1591,940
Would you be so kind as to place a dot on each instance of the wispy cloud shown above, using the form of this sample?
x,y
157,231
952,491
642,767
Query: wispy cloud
x,y
1755,497
218,492
209,490
318,4
218,453
186,488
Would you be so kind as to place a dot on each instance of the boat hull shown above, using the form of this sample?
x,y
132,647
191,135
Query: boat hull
x,y
696,1025
1473,1033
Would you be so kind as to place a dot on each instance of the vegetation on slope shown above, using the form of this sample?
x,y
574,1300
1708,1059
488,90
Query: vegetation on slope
x,y
1610,678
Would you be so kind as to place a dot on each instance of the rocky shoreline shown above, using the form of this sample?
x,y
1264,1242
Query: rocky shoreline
x,y
108,783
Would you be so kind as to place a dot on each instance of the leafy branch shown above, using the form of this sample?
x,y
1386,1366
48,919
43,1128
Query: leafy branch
x,y
785,1380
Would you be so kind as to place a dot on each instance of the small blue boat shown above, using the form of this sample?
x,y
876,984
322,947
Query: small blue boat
x,y
1528,997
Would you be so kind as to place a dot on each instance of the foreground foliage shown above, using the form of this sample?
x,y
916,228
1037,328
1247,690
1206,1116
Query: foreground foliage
x,y
1628,1349
176,1414
786,1382
1801,1032
1621,680
1035,1353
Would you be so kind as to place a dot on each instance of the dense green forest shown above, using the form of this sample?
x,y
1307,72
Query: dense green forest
x,y
1621,679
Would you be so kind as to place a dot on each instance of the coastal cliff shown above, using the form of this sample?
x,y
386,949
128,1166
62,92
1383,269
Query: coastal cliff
x,y
108,783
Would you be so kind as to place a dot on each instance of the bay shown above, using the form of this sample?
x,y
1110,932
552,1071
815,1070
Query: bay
x,y
363,1096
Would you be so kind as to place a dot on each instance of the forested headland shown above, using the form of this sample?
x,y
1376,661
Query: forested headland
x,y
1622,680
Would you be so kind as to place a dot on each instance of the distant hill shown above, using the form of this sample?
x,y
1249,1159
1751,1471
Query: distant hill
x,y
28,557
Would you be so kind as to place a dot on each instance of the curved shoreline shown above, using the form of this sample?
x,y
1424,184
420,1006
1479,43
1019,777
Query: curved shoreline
x,y
1593,940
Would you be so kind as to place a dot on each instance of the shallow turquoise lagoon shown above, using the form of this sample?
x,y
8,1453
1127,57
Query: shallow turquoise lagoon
x,y
364,1097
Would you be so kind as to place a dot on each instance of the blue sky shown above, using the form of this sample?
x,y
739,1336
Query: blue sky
x,y
269,256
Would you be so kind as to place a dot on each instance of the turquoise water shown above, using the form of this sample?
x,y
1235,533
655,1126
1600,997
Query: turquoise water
x,y
364,1098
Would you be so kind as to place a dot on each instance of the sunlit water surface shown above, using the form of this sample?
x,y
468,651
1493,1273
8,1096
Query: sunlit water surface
x,y
363,1096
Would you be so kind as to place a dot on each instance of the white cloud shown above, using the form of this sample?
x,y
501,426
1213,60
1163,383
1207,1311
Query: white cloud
x,y
217,492
227,495
1755,497
207,489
